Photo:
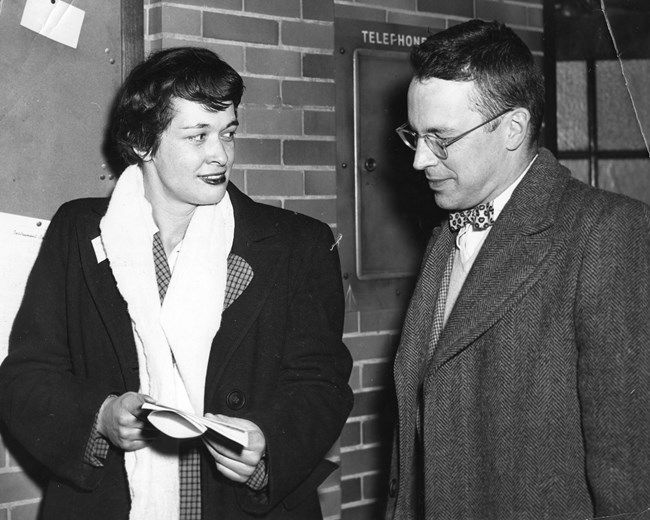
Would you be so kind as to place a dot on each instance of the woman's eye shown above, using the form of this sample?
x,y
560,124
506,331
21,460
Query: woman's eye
x,y
228,136
197,138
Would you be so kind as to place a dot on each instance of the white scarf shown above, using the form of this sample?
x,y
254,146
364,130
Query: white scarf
x,y
185,325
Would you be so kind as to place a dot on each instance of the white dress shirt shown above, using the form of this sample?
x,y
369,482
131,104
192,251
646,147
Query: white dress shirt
x,y
468,244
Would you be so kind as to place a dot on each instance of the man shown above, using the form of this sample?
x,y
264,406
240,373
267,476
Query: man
x,y
179,290
523,373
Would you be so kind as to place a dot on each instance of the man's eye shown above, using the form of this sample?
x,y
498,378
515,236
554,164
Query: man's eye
x,y
197,138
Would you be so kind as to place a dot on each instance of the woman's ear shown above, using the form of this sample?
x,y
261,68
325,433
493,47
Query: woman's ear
x,y
517,129
144,156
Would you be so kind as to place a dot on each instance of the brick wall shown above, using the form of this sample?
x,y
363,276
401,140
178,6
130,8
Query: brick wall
x,y
286,157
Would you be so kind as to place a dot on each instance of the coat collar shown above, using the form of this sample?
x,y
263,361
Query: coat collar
x,y
512,258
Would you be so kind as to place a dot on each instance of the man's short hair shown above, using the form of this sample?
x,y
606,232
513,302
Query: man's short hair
x,y
144,105
495,58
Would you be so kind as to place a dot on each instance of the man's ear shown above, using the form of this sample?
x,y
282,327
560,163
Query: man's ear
x,y
517,128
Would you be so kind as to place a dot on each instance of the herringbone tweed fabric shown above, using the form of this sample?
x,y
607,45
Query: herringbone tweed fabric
x,y
537,399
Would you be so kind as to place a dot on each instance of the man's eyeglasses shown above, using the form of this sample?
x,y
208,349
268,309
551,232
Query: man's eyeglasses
x,y
437,145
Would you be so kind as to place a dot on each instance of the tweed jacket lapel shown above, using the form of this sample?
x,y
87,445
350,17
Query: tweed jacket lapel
x,y
514,256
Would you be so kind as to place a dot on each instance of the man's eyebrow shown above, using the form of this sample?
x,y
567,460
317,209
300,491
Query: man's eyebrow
x,y
437,130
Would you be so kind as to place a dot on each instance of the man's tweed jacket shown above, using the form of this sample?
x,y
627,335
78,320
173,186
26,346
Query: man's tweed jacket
x,y
536,404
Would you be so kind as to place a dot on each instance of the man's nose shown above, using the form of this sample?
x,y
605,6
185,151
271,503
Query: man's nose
x,y
424,156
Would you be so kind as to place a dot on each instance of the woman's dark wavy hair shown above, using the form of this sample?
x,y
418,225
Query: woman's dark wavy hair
x,y
144,104
493,56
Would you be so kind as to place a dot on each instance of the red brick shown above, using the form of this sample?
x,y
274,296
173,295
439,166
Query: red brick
x,y
17,486
376,374
321,209
318,66
181,21
369,403
375,486
380,430
417,20
321,183
355,378
284,183
330,502
240,28
371,511
320,122
231,54
317,10
360,13
372,346
257,151
408,5
235,5
535,17
309,153
286,8
351,322
351,490
506,13
306,34
455,7
25,512
262,91
154,20
275,62
351,434
271,121
308,93
238,178
361,461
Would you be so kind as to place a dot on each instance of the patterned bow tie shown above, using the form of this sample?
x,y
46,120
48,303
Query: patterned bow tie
x,y
480,217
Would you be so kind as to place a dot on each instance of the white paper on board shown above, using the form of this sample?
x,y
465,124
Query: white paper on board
x,y
59,21
21,239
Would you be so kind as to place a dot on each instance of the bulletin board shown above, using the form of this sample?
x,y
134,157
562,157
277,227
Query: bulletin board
x,y
55,101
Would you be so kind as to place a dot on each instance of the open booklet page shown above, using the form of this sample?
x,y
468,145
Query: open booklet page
x,y
181,425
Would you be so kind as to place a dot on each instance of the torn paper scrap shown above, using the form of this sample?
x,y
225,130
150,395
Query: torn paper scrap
x,y
59,21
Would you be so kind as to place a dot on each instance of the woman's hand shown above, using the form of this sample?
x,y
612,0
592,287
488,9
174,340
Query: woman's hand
x,y
124,423
237,465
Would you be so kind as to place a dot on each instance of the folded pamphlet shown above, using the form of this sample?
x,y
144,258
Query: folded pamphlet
x,y
182,425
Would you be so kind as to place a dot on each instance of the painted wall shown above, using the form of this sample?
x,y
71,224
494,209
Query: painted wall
x,y
286,157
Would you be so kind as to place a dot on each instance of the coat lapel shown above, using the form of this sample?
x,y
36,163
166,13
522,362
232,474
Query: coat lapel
x,y
514,256
109,301
254,263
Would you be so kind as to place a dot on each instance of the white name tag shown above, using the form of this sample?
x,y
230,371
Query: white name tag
x,y
98,246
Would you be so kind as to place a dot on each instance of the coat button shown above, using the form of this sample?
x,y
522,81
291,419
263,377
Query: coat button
x,y
236,400
392,488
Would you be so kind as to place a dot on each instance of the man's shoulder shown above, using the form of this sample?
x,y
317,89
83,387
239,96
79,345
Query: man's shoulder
x,y
592,201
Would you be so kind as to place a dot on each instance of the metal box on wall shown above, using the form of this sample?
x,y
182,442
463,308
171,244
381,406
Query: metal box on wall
x,y
385,209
